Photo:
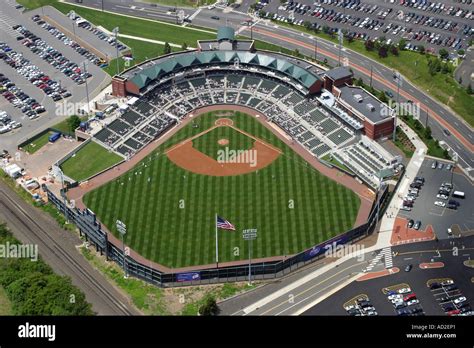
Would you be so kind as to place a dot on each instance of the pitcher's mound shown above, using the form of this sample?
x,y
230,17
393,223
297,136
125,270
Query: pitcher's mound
x,y
223,142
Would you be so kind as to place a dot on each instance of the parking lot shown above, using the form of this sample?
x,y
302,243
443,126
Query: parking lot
x,y
39,71
431,205
432,24
417,281
450,298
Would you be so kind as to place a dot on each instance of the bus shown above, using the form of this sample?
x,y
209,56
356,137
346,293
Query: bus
x,y
459,194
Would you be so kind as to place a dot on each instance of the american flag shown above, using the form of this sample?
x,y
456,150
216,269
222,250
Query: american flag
x,y
224,224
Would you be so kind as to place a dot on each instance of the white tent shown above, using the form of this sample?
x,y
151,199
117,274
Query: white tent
x,y
132,101
13,170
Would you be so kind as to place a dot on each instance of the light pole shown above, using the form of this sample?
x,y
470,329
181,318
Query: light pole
x,y
398,77
249,235
73,15
315,48
122,229
370,76
63,192
116,31
340,35
87,89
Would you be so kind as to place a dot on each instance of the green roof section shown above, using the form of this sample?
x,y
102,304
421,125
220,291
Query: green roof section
x,y
144,77
225,33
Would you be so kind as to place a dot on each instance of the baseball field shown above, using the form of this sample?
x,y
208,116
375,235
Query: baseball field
x,y
169,207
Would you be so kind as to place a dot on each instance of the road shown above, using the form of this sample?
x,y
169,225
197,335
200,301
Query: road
x,y
302,294
59,248
434,114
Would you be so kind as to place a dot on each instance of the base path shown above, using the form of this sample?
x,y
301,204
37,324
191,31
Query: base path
x,y
185,156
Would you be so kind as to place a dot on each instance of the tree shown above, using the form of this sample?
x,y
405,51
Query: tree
x,y
167,48
469,89
369,45
296,52
460,80
445,154
184,46
421,49
401,44
443,53
394,50
73,122
209,307
428,132
383,51
461,52
445,68
307,24
383,98
359,82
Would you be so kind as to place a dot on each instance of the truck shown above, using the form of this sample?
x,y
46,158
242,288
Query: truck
x,y
53,137
459,194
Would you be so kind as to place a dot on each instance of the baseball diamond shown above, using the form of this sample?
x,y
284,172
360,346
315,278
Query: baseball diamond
x,y
169,211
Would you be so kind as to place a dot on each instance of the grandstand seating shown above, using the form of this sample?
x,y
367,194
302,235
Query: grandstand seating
x,y
316,129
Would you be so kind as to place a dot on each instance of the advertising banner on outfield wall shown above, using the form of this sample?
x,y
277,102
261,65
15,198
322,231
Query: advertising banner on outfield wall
x,y
188,277
320,249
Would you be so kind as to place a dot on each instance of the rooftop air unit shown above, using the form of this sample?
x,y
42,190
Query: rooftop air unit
x,y
370,107
358,97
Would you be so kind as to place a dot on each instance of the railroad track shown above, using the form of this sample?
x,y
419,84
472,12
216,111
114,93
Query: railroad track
x,y
50,245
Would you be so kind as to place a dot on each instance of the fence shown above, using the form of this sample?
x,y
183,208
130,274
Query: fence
x,y
88,226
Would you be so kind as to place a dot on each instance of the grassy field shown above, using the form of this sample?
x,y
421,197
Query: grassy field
x,y
329,158
148,199
141,51
38,143
5,305
139,27
89,160
208,143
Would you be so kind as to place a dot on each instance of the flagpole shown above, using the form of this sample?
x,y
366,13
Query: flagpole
x,y
217,246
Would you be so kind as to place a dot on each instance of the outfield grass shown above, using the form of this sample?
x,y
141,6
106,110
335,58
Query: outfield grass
x,y
149,198
38,143
208,143
89,160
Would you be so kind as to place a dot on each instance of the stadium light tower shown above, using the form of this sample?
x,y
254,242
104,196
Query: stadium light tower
x,y
122,229
63,193
116,31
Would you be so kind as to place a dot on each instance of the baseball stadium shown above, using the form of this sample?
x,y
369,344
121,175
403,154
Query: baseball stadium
x,y
253,137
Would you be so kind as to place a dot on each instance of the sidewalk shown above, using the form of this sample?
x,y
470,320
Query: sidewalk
x,y
412,168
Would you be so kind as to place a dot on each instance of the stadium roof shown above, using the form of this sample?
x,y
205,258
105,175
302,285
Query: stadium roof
x,y
365,103
174,63
338,73
225,33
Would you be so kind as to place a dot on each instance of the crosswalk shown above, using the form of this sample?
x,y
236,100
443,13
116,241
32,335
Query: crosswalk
x,y
386,255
